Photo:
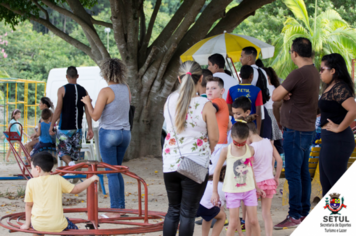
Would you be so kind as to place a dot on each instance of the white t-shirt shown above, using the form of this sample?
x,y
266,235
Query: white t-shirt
x,y
228,82
269,103
254,82
206,199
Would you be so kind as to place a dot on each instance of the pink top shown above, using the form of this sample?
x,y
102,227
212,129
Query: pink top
x,y
262,165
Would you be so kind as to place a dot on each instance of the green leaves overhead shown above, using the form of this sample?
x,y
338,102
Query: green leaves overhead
x,y
331,35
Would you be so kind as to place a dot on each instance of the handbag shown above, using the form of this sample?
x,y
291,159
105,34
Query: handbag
x,y
188,167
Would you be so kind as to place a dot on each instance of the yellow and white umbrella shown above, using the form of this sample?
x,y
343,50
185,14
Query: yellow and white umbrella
x,y
228,45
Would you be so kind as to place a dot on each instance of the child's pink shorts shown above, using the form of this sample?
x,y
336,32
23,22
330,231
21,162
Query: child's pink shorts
x,y
233,199
268,186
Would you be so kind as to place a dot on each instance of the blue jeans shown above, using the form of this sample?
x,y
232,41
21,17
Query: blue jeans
x,y
113,145
296,148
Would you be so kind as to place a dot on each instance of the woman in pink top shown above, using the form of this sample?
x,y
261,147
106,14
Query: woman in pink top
x,y
263,168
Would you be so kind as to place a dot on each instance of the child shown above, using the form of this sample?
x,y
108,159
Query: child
x,y
263,168
43,197
250,91
206,75
239,182
215,90
241,107
208,211
46,142
15,117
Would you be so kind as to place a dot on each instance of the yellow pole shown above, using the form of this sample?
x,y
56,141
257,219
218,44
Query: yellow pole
x,y
16,95
25,106
7,103
35,103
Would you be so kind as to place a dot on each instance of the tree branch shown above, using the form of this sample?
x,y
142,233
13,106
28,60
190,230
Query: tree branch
x,y
147,63
184,26
237,14
88,27
42,9
118,26
56,31
89,30
102,23
151,24
142,25
173,23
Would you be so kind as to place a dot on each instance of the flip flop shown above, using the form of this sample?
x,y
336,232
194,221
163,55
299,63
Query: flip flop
x,y
103,216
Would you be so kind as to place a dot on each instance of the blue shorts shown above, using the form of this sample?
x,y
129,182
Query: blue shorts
x,y
70,225
207,214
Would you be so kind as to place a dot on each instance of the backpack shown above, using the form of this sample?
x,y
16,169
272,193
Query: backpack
x,y
262,84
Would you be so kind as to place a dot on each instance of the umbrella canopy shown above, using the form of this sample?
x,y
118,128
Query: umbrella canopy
x,y
226,44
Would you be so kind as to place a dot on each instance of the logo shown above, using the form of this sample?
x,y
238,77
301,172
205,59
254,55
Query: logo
x,y
335,204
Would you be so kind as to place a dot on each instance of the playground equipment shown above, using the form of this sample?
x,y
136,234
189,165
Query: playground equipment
x,y
137,221
25,164
21,94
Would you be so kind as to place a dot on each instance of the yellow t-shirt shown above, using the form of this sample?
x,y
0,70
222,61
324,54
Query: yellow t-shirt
x,y
46,194
239,175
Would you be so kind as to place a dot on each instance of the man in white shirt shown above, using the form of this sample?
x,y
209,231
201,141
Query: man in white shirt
x,y
216,64
248,57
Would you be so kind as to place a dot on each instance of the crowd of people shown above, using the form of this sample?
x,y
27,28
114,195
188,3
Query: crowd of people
x,y
59,133
233,130
236,126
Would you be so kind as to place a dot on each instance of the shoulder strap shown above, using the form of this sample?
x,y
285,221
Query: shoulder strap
x,y
170,117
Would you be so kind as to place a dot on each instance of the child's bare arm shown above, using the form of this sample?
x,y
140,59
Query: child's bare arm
x,y
28,209
222,159
84,185
259,118
279,164
253,174
38,132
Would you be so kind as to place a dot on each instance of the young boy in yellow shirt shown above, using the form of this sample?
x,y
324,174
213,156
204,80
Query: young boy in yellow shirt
x,y
43,196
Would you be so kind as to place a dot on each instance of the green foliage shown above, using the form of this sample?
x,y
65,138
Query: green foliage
x,y
331,35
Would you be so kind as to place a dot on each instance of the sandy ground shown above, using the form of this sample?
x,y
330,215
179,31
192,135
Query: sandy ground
x,y
150,169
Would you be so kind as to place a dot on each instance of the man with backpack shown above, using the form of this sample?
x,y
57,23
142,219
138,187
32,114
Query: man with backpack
x,y
248,57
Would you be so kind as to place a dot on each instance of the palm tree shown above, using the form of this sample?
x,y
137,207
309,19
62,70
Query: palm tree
x,y
329,34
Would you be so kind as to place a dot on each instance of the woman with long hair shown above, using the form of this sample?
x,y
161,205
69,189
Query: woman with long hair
x,y
273,83
112,108
45,103
193,132
338,110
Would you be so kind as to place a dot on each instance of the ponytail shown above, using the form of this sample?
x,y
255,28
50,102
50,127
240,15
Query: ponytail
x,y
189,73
47,101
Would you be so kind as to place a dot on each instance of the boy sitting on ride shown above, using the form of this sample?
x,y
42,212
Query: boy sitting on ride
x,y
46,141
44,211
215,90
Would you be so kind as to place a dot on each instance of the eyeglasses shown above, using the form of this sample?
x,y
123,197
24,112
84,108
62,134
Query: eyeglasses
x,y
290,51
239,144
323,68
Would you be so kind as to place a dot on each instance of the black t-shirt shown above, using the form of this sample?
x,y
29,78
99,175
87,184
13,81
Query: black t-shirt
x,y
330,103
73,108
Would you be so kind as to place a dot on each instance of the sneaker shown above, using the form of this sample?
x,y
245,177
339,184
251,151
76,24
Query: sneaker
x,y
199,222
289,222
302,218
242,222
226,222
